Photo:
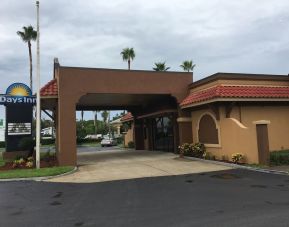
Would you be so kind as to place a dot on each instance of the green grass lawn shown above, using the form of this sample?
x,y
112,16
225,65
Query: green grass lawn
x,y
25,173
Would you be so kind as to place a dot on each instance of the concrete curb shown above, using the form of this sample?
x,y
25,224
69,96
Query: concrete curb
x,y
39,178
239,166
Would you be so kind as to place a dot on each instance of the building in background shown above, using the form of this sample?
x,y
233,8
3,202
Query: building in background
x,y
48,133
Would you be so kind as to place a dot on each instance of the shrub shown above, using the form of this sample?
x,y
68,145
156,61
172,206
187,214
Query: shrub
x,y
22,162
119,140
237,158
279,158
26,144
29,164
195,150
185,149
130,144
2,144
198,150
18,163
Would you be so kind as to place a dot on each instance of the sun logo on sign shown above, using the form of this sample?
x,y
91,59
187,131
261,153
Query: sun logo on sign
x,y
18,89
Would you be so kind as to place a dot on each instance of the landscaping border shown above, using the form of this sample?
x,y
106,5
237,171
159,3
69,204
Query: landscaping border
x,y
39,178
261,170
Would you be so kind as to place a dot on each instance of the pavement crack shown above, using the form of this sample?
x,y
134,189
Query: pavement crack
x,y
158,169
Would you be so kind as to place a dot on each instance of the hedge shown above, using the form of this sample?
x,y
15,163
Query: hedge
x,y
279,157
2,144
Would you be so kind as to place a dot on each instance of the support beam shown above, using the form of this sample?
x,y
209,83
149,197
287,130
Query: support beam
x,y
183,129
49,115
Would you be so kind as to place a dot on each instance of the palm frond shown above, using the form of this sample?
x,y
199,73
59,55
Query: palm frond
x,y
160,66
27,34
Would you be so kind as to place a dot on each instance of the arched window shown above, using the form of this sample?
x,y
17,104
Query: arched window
x,y
208,131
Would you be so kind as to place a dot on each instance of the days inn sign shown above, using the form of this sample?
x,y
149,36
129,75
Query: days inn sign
x,y
18,93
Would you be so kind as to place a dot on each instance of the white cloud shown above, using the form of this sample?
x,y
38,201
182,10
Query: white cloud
x,y
219,35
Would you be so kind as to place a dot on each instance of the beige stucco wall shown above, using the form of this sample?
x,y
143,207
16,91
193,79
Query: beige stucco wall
x,y
240,137
129,136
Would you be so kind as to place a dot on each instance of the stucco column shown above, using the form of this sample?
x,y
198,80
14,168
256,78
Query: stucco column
x,y
67,133
118,130
138,135
55,115
185,127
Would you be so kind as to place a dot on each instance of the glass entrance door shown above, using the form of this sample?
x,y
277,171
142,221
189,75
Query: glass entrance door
x,y
163,134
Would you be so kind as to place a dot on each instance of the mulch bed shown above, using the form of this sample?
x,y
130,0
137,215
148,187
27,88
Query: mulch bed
x,y
47,162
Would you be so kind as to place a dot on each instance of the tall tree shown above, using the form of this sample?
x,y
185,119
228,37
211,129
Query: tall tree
x,y
27,35
188,66
128,55
82,114
104,115
95,121
161,66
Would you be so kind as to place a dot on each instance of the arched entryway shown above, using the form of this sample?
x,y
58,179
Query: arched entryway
x,y
146,94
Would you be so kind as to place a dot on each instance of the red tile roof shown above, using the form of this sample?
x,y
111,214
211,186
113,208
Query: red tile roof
x,y
127,117
50,89
230,91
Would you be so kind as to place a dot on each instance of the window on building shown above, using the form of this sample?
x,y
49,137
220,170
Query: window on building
x,y
208,132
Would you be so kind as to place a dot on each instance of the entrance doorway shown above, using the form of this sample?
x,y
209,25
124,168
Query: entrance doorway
x,y
263,143
163,133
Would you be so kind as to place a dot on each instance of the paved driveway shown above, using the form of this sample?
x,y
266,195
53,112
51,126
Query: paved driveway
x,y
224,198
118,164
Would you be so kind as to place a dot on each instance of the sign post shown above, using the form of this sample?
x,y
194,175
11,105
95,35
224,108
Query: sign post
x,y
19,103
38,109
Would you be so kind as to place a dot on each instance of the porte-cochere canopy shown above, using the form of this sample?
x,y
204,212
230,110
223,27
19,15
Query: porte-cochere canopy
x,y
146,94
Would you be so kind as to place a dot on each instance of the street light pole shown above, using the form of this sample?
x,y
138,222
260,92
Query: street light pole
x,y
38,109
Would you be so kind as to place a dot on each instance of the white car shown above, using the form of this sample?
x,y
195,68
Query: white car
x,y
97,136
108,141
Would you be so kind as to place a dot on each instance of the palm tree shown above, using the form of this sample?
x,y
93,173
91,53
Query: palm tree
x,y
128,55
27,35
188,66
82,114
104,115
95,121
161,66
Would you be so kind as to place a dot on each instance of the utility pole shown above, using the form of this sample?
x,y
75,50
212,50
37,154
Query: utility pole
x,y
109,129
38,108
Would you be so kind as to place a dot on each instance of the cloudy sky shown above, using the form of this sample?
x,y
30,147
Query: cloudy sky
x,y
246,36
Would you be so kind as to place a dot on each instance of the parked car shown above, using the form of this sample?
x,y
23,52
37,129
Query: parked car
x,y
97,136
108,141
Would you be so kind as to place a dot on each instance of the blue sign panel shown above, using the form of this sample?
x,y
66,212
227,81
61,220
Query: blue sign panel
x,y
18,93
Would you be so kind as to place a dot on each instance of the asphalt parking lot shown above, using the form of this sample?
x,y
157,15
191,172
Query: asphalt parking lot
x,y
225,198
